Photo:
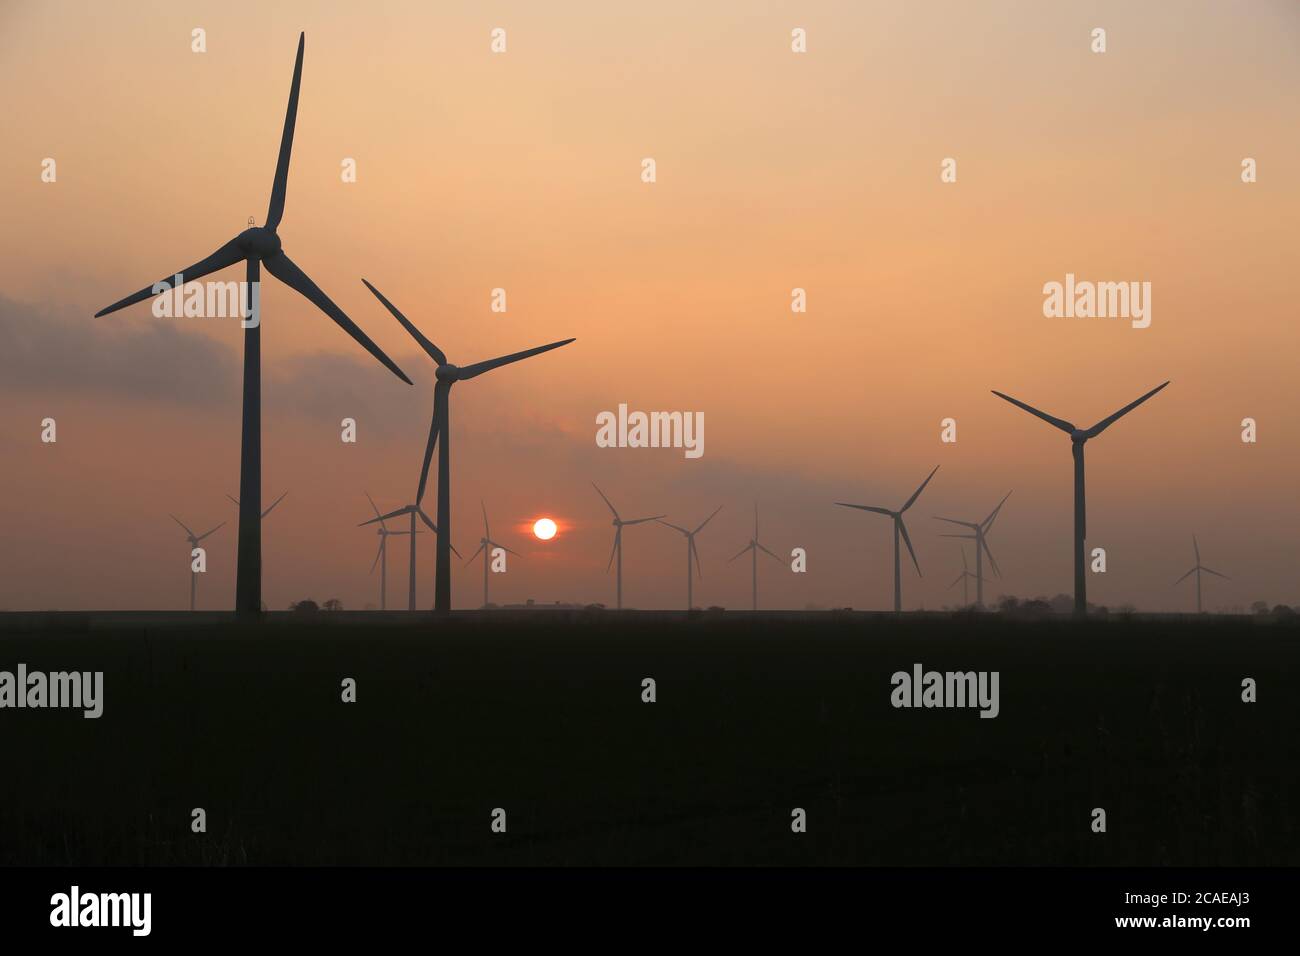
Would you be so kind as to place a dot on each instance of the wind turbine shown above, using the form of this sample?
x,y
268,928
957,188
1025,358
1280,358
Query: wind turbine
x,y
412,511
755,547
258,246
1198,568
381,557
979,529
483,544
692,555
447,375
267,511
899,529
194,540
964,578
619,525
1078,436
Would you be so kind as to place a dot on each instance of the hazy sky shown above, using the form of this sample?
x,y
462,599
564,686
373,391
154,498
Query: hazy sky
x,y
775,170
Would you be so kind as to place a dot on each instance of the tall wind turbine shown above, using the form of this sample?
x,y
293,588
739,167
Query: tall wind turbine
x,y
692,555
381,556
1078,436
447,375
411,511
484,543
194,540
755,547
617,552
900,529
268,510
1198,568
979,529
260,246
964,578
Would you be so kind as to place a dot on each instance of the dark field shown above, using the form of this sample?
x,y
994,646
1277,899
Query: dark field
x,y
540,713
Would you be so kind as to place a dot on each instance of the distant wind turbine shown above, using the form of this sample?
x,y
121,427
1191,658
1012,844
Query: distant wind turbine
x,y
484,543
979,530
194,540
963,579
1197,569
755,547
412,512
692,555
1078,436
257,246
900,529
381,556
268,510
447,375
617,552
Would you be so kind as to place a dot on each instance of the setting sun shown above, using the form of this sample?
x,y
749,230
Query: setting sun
x,y
544,528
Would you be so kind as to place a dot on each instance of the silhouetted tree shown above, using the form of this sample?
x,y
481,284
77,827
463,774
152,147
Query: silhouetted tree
x,y
333,604
305,607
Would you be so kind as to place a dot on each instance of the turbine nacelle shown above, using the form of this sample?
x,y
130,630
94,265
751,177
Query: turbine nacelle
x,y
258,242
447,373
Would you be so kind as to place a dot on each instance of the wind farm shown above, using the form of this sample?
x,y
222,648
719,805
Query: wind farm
x,y
645,247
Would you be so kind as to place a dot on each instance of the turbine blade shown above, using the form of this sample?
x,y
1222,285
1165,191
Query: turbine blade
x,y
988,522
234,499
707,520
607,502
618,536
434,528
273,504
284,269
378,554
755,520
1197,548
434,431
498,544
916,494
765,551
381,518
275,212
964,565
879,511
740,552
1184,577
964,524
433,351
1105,423
908,541
478,368
475,555
182,524
1060,423
696,551
376,510
1216,574
213,531
992,560
961,577
967,537
643,520
668,524
486,532
227,255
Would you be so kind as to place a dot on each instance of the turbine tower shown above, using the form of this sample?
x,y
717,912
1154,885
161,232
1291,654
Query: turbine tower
x,y
900,529
268,510
447,375
1198,568
194,540
381,556
964,578
692,555
1078,437
617,552
979,530
755,547
484,543
258,246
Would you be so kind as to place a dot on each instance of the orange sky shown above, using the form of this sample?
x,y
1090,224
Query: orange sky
x,y
775,170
